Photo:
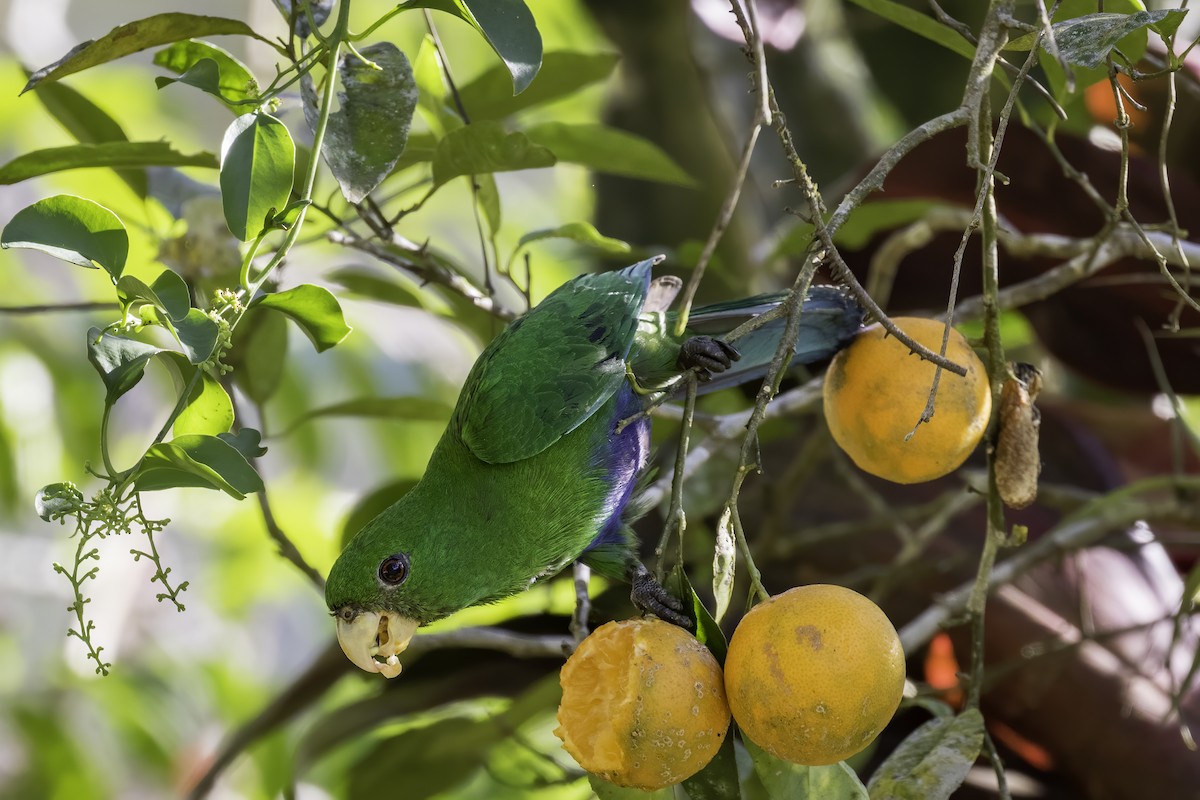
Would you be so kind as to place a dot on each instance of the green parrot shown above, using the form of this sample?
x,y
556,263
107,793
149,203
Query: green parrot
x,y
539,463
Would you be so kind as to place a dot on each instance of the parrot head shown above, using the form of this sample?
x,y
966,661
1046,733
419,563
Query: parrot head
x,y
383,587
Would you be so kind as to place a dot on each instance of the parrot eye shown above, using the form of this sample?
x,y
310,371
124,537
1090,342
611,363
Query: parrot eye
x,y
394,569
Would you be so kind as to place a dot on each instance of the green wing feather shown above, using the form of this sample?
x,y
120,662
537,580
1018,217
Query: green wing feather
x,y
552,367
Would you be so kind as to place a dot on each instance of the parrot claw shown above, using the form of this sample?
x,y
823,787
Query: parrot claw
x,y
650,596
708,356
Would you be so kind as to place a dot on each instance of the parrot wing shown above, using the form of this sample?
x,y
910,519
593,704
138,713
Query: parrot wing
x,y
553,367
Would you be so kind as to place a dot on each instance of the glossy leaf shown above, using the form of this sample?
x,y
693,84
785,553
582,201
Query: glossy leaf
x,y
121,361
314,309
708,632
88,123
1086,41
609,150
933,761
74,229
196,334
563,73
411,409
134,37
486,147
367,134
116,155
719,778
168,294
205,462
208,409
208,68
259,353
786,781
246,441
508,27
257,157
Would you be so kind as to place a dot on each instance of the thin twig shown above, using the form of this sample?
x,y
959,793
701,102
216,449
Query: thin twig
x,y
53,307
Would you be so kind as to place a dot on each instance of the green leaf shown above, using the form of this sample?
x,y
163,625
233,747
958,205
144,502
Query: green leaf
x,y
786,781
933,761
395,288
563,73
120,361
708,632
609,150
208,68
508,27
88,123
259,353
488,198
719,778
136,36
583,232
257,158
314,309
208,409
922,25
610,791
206,462
367,134
246,441
168,294
1086,41
1191,589
115,155
196,333
411,409
71,228
486,147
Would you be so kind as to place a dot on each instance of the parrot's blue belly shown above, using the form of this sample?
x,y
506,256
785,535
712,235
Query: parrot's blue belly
x,y
622,456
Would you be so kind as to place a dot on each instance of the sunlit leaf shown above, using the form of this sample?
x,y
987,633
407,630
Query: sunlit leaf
x,y
314,309
116,155
486,147
933,761
197,334
257,158
508,27
120,361
136,36
208,68
608,150
786,781
563,73
88,123
71,228
367,133
413,409
208,409
168,294
197,461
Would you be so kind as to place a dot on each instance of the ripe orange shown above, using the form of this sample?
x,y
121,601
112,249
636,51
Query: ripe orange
x,y
643,704
875,391
814,674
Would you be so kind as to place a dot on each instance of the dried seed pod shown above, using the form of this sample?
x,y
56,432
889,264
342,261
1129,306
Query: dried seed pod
x,y
1017,460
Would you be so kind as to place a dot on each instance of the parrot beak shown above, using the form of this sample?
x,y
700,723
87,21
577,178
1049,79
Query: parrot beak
x,y
373,639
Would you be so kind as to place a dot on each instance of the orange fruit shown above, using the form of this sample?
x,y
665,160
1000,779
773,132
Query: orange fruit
x,y
875,391
643,704
814,674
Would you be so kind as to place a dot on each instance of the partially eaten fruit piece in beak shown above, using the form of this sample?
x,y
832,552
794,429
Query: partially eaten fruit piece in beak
x,y
372,640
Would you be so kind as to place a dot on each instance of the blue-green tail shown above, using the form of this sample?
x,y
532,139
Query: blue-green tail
x,y
828,322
